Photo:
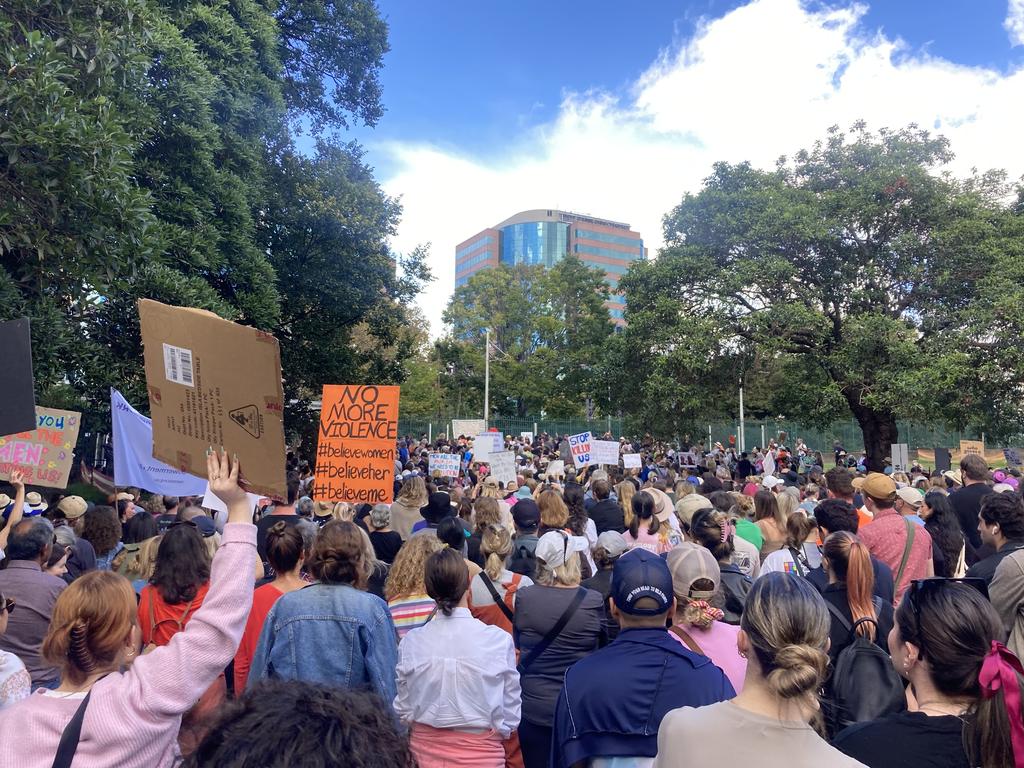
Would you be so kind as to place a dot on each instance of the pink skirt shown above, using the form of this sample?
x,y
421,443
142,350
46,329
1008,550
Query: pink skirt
x,y
448,748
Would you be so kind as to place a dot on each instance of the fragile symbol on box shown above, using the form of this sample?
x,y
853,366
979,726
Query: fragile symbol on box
x,y
249,419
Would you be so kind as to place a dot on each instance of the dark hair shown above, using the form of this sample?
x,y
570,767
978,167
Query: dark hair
x,y
452,532
1005,510
836,515
30,539
101,528
285,723
706,529
293,492
944,528
643,509
182,564
766,506
840,482
974,467
798,527
600,489
170,502
446,578
284,547
337,555
953,627
141,527
573,497
122,507
721,500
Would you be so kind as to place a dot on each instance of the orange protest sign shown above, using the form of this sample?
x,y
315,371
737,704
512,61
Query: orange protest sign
x,y
355,456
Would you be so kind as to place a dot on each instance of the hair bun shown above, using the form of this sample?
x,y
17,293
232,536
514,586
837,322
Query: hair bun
x,y
278,528
798,669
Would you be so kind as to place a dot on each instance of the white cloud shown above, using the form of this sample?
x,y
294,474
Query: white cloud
x,y
764,80
1014,23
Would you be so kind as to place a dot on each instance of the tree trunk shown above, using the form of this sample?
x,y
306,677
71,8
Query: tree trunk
x,y
880,432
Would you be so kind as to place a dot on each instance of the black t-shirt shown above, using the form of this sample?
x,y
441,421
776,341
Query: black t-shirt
x,y
607,516
386,544
906,740
744,469
264,525
884,587
966,503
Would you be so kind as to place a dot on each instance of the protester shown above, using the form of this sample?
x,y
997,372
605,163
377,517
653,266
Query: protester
x,y
606,512
386,542
285,553
784,637
279,513
833,515
526,519
408,602
713,530
770,520
486,514
405,511
378,569
103,531
132,704
799,555
645,530
15,511
492,596
458,687
557,623
897,542
604,714
15,682
453,533
1001,527
334,613
438,507
949,547
966,684
624,492
83,556
698,622
966,502
611,545
839,484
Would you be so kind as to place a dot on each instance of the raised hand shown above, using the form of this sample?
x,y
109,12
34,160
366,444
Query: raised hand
x,y
222,472
18,480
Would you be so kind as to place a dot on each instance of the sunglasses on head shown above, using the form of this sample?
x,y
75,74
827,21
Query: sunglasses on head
x,y
920,589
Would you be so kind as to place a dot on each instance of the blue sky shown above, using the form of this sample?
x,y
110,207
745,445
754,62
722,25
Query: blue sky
x,y
617,109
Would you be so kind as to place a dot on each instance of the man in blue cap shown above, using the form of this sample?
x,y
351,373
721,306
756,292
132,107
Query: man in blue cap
x,y
613,701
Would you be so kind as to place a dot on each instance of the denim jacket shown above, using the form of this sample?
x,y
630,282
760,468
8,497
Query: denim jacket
x,y
329,633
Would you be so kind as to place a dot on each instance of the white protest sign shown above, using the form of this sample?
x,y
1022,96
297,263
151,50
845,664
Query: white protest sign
x,y
581,447
212,501
768,464
445,463
900,454
605,452
556,468
503,466
467,427
631,461
486,443
528,436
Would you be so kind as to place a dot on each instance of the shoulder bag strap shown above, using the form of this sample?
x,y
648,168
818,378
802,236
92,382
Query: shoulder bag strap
x,y
839,616
906,551
494,594
554,632
184,615
687,639
152,617
795,553
72,734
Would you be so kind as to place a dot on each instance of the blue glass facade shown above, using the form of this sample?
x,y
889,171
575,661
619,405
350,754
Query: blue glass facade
x,y
485,240
604,237
598,251
472,262
534,242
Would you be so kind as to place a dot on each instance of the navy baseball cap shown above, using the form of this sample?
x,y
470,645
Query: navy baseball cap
x,y
639,574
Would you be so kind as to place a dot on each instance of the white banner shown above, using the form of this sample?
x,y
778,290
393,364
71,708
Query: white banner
x,y
446,463
555,468
768,464
631,461
605,452
467,427
503,466
900,457
486,443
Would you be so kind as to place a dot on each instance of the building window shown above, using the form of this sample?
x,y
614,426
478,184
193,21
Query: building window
x,y
604,237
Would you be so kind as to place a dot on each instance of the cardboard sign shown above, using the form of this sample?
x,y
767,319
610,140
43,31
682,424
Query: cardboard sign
x,y
631,461
445,463
44,454
355,455
581,446
487,443
555,468
606,452
1012,456
900,454
19,410
972,446
467,427
503,466
214,382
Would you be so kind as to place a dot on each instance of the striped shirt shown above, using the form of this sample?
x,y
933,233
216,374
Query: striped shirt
x,y
410,612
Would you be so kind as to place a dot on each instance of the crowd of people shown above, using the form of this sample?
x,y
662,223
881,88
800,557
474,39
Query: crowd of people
x,y
709,605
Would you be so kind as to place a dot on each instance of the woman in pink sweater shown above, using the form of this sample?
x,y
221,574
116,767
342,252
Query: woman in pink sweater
x,y
135,701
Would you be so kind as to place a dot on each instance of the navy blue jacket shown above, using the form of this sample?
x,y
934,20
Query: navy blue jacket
x,y
613,701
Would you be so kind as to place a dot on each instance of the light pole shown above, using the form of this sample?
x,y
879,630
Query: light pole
x,y
487,378
742,441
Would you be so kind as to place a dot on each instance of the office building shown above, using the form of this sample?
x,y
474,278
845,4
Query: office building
x,y
544,236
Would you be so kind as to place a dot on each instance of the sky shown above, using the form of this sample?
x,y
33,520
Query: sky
x,y
618,109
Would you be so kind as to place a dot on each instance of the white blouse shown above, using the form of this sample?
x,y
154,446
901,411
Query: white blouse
x,y
457,672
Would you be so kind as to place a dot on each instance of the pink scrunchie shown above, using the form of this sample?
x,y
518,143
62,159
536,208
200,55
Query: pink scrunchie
x,y
999,670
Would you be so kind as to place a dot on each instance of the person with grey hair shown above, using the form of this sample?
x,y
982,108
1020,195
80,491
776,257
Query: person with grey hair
x,y
35,592
304,508
386,542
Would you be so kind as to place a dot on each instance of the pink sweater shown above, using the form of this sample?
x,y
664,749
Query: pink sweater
x,y
133,717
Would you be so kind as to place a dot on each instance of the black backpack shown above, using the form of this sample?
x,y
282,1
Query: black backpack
x,y
522,560
864,684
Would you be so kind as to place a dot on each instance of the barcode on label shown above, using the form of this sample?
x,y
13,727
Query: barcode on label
x,y
178,365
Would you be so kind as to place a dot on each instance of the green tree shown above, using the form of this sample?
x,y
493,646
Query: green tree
x,y
875,284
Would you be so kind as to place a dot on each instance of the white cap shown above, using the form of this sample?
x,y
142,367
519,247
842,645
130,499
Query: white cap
x,y
771,481
554,547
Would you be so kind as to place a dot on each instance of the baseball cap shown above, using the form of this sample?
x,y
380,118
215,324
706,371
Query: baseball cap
x,y
770,481
637,575
689,563
205,525
612,542
911,496
554,547
688,506
526,514
876,485
491,481
73,507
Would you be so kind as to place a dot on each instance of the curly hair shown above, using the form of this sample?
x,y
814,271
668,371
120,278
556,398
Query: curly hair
x,y
182,564
407,572
573,498
283,723
102,529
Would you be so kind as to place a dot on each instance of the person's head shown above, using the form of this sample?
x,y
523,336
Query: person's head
x,y
314,726
878,490
284,548
171,505
305,507
644,514
625,491
641,590
406,575
611,545
182,563
413,492
558,559
945,631
452,533
57,563
936,503
839,483
846,560
784,635
973,468
908,501
714,530
446,578
31,539
788,502
833,515
486,512
766,507
799,526
93,627
526,516
600,490
140,528
338,557
553,511
380,516
102,529
1001,518
695,579
495,546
